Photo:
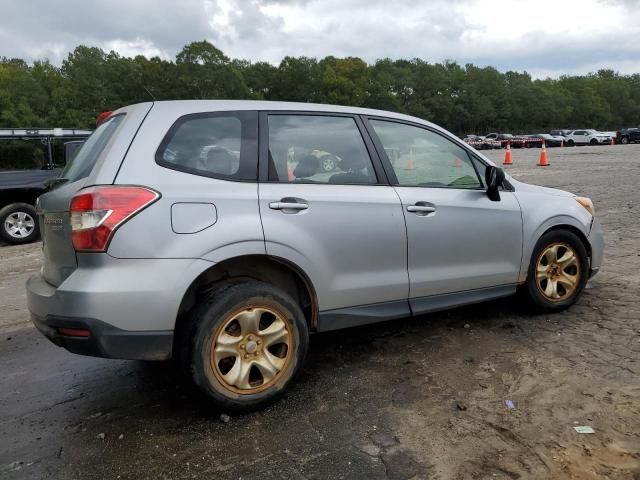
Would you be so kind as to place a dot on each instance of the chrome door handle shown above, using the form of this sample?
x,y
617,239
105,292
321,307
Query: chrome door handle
x,y
420,209
288,206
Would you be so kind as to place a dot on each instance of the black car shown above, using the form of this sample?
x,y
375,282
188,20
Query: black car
x,y
628,135
20,188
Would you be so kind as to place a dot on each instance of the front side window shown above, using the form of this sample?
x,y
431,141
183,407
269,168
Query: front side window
x,y
212,144
425,158
318,149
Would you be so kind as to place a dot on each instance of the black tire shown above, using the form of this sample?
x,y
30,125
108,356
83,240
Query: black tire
x,y
535,294
624,140
571,143
15,212
210,317
329,163
593,141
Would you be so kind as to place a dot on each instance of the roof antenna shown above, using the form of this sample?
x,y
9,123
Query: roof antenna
x,y
150,94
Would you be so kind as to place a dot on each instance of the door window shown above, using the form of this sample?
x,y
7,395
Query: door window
x,y
318,149
425,158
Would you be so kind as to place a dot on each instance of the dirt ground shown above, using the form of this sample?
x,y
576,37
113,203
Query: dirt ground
x,y
420,398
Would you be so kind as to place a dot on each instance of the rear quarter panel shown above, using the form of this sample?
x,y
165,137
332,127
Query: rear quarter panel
x,y
235,228
107,165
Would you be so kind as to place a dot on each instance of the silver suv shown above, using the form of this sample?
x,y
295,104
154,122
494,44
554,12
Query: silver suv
x,y
210,232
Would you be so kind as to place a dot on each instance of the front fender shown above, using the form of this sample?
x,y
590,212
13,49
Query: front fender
x,y
542,212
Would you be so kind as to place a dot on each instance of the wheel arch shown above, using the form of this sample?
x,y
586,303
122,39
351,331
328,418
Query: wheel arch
x,y
576,231
276,271
560,222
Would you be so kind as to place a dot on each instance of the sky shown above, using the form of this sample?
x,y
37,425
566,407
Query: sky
x,y
547,38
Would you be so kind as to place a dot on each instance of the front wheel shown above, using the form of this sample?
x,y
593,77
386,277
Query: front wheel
x,y
558,271
19,224
249,341
624,140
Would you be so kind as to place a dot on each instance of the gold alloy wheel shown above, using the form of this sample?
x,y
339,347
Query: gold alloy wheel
x,y
251,349
557,272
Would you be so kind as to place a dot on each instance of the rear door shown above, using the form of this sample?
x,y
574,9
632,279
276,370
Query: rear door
x,y
342,224
458,239
89,167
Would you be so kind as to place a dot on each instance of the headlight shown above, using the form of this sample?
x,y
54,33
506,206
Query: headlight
x,y
586,203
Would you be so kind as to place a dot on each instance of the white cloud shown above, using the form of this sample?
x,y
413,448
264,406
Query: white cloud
x,y
549,37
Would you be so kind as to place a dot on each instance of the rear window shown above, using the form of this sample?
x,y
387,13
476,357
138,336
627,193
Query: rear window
x,y
219,145
82,164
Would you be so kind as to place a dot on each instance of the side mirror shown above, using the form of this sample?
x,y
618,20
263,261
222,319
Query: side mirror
x,y
494,177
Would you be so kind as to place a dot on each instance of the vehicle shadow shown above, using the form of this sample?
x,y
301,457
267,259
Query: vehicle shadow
x,y
329,350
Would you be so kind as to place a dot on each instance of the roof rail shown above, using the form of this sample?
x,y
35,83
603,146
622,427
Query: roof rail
x,y
26,133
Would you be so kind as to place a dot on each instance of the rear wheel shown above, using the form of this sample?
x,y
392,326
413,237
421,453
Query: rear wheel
x,y
558,271
624,140
249,341
571,143
19,224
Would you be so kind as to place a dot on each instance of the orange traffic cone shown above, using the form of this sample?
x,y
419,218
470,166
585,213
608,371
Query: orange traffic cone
x,y
290,176
562,143
543,157
457,162
507,155
410,165
612,141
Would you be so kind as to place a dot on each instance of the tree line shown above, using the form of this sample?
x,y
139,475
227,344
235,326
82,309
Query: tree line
x,y
463,99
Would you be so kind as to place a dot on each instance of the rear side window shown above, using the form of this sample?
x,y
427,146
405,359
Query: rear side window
x,y
318,149
81,165
219,145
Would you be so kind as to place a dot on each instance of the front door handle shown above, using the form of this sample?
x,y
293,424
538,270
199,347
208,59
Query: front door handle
x,y
421,208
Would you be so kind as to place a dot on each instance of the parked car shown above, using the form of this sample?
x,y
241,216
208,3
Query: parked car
x,y
506,139
586,137
19,189
229,268
560,132
549,140
481,143
628,135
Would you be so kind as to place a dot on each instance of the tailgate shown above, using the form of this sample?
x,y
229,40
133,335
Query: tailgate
x,y
55,228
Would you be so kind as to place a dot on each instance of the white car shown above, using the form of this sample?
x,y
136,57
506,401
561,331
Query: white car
x,y
586,137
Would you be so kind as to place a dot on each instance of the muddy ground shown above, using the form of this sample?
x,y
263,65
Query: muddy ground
x,y
421,398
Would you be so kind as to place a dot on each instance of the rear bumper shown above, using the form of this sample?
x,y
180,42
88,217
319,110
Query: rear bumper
x,y
129,306
105,340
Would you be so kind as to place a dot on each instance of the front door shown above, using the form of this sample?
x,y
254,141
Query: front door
x,y
458,239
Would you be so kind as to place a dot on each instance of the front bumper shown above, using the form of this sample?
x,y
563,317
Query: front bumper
x,y
596,240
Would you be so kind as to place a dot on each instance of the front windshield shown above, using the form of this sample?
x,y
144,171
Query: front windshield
x,y
86,157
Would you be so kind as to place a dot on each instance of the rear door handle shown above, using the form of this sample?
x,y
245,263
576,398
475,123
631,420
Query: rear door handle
x,y
288,206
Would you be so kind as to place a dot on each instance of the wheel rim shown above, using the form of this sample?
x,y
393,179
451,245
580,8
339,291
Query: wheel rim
x,y
251,349
328,164
19,225
558,272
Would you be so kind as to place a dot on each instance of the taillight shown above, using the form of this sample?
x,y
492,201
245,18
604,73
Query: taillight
x,y
96,213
